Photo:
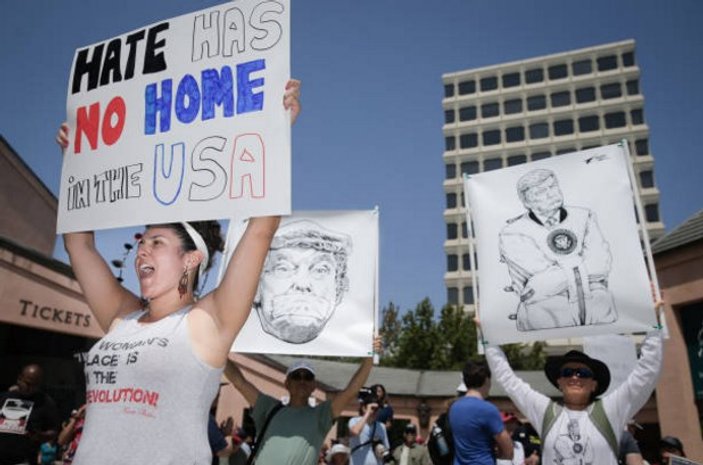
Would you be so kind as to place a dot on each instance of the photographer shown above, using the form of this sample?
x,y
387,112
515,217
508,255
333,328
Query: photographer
x,y
368,441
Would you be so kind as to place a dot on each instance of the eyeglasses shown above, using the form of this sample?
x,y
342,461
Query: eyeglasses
x,y
568,372
302,375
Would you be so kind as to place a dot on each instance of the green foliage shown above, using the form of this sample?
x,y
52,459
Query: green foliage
x,y
419,341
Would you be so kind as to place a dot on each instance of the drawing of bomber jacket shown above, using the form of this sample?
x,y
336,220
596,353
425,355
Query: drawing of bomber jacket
x,y
559,272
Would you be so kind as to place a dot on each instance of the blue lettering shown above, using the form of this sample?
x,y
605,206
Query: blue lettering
x,y
217,90
187,92
247,100
154,105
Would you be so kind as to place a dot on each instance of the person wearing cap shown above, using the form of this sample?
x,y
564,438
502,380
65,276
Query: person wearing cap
x,y
296,431
511,423
670,446
338,454
368,438
303,281
410,452
586,427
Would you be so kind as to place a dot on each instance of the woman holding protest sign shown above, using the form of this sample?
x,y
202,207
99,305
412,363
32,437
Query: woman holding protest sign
x,y
583,428
152,378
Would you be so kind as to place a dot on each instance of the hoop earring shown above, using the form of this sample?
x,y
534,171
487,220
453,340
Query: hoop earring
x,y
183,283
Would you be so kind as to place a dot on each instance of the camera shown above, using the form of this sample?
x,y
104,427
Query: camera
x,y
381,452
367,396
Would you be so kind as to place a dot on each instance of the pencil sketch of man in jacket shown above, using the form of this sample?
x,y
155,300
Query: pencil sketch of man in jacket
x,y
557,258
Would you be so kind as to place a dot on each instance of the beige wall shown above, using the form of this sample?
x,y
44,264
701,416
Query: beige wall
x,y
680,273
27,208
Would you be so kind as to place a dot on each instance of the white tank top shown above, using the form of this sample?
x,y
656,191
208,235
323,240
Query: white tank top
x,y
148,396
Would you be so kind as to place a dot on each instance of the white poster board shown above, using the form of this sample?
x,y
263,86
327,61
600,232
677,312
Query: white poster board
x,y
180,120
558,249
617,351
318,290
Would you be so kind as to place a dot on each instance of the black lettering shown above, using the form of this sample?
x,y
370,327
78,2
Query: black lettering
x,y
112,62
86,321
43,310
154,62
91,67
24,303
131,43
58,317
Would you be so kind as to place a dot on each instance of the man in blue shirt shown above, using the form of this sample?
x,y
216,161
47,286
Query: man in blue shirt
x,y
476,424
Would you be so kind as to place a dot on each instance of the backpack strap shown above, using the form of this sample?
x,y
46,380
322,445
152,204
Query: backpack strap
x,y
373,434
550,416
600,420
260,436
597,416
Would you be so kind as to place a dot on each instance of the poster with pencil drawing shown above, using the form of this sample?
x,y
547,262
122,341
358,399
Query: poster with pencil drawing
x,y
559,251
317,292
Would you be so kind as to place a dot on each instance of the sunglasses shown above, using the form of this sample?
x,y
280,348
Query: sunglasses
x,y
584,373
302,375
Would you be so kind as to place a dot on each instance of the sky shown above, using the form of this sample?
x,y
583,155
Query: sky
x,y
370,133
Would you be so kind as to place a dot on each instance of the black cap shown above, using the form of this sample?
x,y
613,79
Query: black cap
x,y
411,428
600,369
671,442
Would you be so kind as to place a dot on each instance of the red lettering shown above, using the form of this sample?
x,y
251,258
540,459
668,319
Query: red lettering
x,y
116,110
88,123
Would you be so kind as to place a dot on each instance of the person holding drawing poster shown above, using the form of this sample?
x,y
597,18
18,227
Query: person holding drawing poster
x,y
584,428
557,258
152,377
293,433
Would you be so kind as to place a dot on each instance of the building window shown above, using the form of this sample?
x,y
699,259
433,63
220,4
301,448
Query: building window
x,y
563,127
451,200
651,212
558,72
517,160
512,106
646,179
585,94
540,156
642,146
637,116
588,123
449,171
491,137
489,83
467,87
469,167
628,59
448,90
534,75
633,87
467,141
560,99
449,143
467,113
511,80
468,295
452,296
536,102
564,150
608,91
588,147
515,134
448,116
581,67
452,231
466,262
489,109
464,230
492,164
615,120
607,63
539,130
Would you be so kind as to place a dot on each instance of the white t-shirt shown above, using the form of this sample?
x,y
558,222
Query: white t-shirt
x,y
574,439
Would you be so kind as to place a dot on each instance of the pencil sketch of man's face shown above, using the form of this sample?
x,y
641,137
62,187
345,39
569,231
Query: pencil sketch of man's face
x,y
543,197
303,280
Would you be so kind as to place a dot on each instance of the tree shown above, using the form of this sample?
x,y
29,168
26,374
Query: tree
x,y
390,330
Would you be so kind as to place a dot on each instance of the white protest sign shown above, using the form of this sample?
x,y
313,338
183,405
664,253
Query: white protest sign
x,y
318,290
617,351
558,249
180,120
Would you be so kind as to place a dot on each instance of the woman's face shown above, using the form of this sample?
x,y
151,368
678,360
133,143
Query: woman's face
x,y
160,261
577,388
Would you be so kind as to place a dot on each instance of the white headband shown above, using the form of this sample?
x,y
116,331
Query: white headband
x,y
199,245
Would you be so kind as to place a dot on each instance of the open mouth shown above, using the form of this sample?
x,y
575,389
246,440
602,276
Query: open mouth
x,y
144,271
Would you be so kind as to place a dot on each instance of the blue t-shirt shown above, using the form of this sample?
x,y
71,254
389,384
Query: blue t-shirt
x,y
215,438
474,423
